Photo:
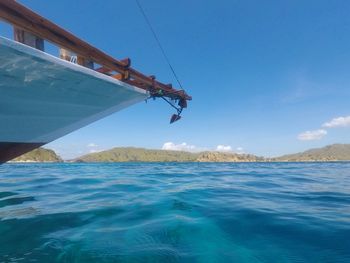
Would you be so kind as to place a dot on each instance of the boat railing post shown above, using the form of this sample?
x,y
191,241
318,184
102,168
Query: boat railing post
x,y
29,39
85,62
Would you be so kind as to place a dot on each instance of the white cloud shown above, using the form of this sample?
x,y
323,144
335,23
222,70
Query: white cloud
x,y
94,151
179,147
312,135
338,122
223,148
91,145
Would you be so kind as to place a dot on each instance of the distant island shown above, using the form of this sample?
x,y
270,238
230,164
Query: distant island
x,y
335,152
39,155
130,154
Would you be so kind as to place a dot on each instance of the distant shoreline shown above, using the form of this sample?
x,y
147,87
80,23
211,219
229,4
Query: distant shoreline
x,y
70,162
331,153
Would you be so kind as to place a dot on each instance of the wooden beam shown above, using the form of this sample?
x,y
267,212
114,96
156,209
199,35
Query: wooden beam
x,y
118,76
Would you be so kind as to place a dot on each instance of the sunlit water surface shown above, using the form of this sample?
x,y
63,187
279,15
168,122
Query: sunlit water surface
x,y
156,212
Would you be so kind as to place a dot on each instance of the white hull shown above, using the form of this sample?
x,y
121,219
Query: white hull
x,y
43,97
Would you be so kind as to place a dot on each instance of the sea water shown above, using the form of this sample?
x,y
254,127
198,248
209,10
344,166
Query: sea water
x,y
175,212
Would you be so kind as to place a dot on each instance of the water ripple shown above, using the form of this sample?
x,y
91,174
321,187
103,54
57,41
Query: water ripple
x,y
175,212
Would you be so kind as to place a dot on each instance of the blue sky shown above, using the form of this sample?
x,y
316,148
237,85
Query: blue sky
x,y
261,73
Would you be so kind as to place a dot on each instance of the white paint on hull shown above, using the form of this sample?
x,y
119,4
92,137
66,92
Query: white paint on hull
x,y
44,98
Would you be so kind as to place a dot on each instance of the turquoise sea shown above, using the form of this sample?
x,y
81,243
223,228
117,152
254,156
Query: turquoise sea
x,y
175,212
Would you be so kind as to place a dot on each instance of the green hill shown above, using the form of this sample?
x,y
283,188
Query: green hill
x,y
334,152
39,155
130,154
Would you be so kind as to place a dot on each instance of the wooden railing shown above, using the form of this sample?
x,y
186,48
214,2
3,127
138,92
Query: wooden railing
x,y
31,28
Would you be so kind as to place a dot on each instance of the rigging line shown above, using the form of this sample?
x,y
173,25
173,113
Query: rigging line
x,y
158,42
179,110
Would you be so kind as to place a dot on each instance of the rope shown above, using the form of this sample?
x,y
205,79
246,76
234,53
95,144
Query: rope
x,y
179,110
158,42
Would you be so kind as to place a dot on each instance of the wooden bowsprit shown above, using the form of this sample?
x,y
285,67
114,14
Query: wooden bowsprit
x,y
32,29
